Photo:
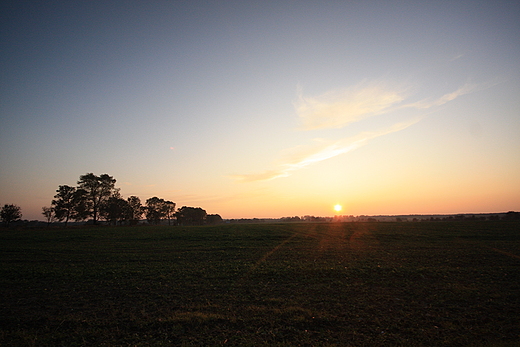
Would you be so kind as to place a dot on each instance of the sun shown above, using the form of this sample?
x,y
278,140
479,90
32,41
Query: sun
x,y
338,207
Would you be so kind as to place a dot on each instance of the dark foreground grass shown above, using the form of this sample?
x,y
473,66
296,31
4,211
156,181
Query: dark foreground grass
x,y
353,284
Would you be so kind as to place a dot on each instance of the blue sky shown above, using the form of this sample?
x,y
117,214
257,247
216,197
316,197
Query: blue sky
x,y
265,109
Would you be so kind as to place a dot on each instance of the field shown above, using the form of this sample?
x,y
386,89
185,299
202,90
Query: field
x,y
301,284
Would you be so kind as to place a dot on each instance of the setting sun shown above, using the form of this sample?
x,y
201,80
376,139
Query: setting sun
x,y
337,208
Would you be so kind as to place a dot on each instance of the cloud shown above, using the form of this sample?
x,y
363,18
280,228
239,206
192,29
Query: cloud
x,y
458,56
336,109
301,157
262,176
465,89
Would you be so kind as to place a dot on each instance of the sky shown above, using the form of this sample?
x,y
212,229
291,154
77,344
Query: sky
x,y
265,108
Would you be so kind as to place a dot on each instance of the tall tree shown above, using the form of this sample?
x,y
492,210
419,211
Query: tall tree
x,y
169,210
135,209
155,210
69,203
10,213
98,190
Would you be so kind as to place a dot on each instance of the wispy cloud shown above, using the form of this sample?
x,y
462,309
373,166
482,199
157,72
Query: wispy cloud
x,y
465,89
336,109
300,157
458,56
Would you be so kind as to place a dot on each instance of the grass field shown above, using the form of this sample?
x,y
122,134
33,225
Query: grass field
x,y
344,284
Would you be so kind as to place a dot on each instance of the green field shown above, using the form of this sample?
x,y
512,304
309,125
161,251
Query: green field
x,y
301,284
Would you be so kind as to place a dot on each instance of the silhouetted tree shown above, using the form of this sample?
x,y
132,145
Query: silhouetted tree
x,y
115,209
70,203
98,189
48,213
191,216
10,213
213,219
169,210
135,209
155,210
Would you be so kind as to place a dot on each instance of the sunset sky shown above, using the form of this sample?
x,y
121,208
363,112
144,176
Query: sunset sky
x,y
265,108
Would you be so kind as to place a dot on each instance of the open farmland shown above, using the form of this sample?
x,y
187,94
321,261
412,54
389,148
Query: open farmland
x,y
301,284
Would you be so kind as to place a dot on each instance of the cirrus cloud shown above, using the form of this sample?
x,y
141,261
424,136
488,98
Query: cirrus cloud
x,y
300,157
338,108
465,89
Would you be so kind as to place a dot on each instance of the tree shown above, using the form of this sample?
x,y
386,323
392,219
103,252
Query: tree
x,y
169,210
214,219
191,215
135,209
10,213
155,210
98,189
70,203
115,210
48,213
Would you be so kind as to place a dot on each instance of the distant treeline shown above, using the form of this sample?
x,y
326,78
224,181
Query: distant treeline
x,y
511,215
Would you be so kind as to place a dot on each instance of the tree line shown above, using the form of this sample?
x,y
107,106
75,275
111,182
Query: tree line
x,y
96,197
